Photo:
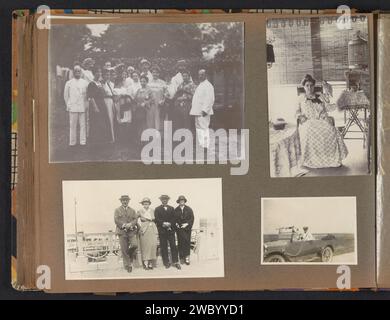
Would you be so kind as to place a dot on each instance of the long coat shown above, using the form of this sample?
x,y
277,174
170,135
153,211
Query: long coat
x,y
123,216
161,215
187,216
184,234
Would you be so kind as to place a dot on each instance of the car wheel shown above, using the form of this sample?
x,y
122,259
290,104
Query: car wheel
x,y
275,258
327,254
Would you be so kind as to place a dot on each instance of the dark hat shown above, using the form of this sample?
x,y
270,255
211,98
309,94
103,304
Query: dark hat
x,y
107,70
120,67
88,62
144,76
124,197
164,196
186,71
145,61
146,199
155,67
181,198
305,228
181,63
95,69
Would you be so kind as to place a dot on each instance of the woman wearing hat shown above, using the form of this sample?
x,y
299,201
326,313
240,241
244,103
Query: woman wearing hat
x,y
143,101
108,87
183,102
144,66
148,234
321,143
123,105
87,66
136,82
177,79
184,217
100,128
159,92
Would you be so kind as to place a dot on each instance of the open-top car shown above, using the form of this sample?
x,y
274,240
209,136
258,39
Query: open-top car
x,y
288,246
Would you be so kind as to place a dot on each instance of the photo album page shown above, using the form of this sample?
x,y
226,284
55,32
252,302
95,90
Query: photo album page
x,y
180,152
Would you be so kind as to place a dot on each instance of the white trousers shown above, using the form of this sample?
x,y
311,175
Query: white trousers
x,y
74,119
202,130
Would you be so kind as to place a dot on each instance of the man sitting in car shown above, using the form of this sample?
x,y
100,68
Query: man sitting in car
x,y
306,235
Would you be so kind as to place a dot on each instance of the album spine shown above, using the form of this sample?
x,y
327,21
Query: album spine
x,y
26,226
383,151
205,11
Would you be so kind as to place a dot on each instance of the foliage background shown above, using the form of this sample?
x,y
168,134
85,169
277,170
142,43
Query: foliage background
x,y
200,44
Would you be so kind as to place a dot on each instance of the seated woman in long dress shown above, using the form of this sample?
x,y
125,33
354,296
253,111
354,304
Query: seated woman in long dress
x,y
321,143
147,234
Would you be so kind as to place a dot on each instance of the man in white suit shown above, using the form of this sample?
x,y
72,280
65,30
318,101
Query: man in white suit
x,y
75,96
202,108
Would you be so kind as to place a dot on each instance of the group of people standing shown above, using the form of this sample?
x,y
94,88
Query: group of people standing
x,y
117,103
142,227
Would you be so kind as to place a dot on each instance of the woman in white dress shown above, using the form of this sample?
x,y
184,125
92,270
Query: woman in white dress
x,y
108,87
136,84
147,234
159,92
322,145
123,104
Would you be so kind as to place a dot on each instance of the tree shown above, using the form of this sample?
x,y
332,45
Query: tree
x,y
150,41
161,43
67,43
231,36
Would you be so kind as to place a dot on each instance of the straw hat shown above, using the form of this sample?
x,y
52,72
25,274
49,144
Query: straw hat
x,y
146,199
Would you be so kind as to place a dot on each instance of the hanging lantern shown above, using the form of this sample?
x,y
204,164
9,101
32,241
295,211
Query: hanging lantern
x,y
270,55
358,52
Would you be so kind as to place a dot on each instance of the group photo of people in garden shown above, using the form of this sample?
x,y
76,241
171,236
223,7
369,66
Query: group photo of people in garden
x,y
124,79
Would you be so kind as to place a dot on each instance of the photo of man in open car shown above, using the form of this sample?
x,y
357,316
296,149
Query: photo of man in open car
x,y
291,245
309,230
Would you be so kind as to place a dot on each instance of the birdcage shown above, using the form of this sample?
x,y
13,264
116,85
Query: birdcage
x,y
358,52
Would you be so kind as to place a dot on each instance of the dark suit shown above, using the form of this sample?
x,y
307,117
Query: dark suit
x,y
127,236
166,234
184,234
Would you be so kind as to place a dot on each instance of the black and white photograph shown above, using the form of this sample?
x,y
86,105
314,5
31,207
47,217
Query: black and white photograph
x,y
143,229
110,83
307,231
319,96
